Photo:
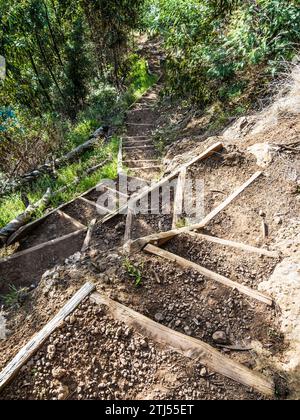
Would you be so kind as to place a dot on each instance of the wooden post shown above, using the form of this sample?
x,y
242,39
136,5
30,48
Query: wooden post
x,y
179,196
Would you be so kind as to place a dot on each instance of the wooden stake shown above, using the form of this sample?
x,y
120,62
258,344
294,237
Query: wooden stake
x,y
26,353
209,274
88,235
187,346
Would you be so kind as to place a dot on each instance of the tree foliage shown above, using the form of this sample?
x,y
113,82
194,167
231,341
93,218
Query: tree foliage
x,y
217,48
57,53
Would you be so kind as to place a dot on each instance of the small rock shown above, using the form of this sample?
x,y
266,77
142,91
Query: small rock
x,y
120,227
58,372
220,337
203,372
159,317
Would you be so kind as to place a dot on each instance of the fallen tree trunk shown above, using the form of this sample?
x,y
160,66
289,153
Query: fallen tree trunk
x,y
49,168
25,217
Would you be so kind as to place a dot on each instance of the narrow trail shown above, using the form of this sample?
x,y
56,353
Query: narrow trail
x,y
139,153
187,333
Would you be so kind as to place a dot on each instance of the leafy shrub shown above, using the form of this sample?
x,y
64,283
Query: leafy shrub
x,y
217,48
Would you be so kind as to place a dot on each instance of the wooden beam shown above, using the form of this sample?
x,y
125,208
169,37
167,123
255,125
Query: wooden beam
x,y
129,220
237,245
163,237
43,245
187,346
260,297
138,168
26,353
179,196
75,222
228,201
89,234
137,147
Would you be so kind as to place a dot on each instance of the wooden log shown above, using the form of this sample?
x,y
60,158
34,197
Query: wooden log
x,y
163,237
179,196
237,245
89,235
187,346
26,353
48,168
260,297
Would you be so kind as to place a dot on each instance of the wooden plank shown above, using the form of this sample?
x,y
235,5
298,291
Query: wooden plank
x,y
26,353
138,168
215,148
187,346
43,245
151,249
163,237
129,220
137,147
134,142
136,137
139,125
75,222
178,201
237,245
89,234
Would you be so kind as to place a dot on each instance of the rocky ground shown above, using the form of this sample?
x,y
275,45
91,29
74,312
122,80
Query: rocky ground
x,y
94,357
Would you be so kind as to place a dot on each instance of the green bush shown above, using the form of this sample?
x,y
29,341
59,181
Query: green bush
x,y
216,48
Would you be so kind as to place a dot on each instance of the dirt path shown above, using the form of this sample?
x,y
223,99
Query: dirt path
x,y
92,355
